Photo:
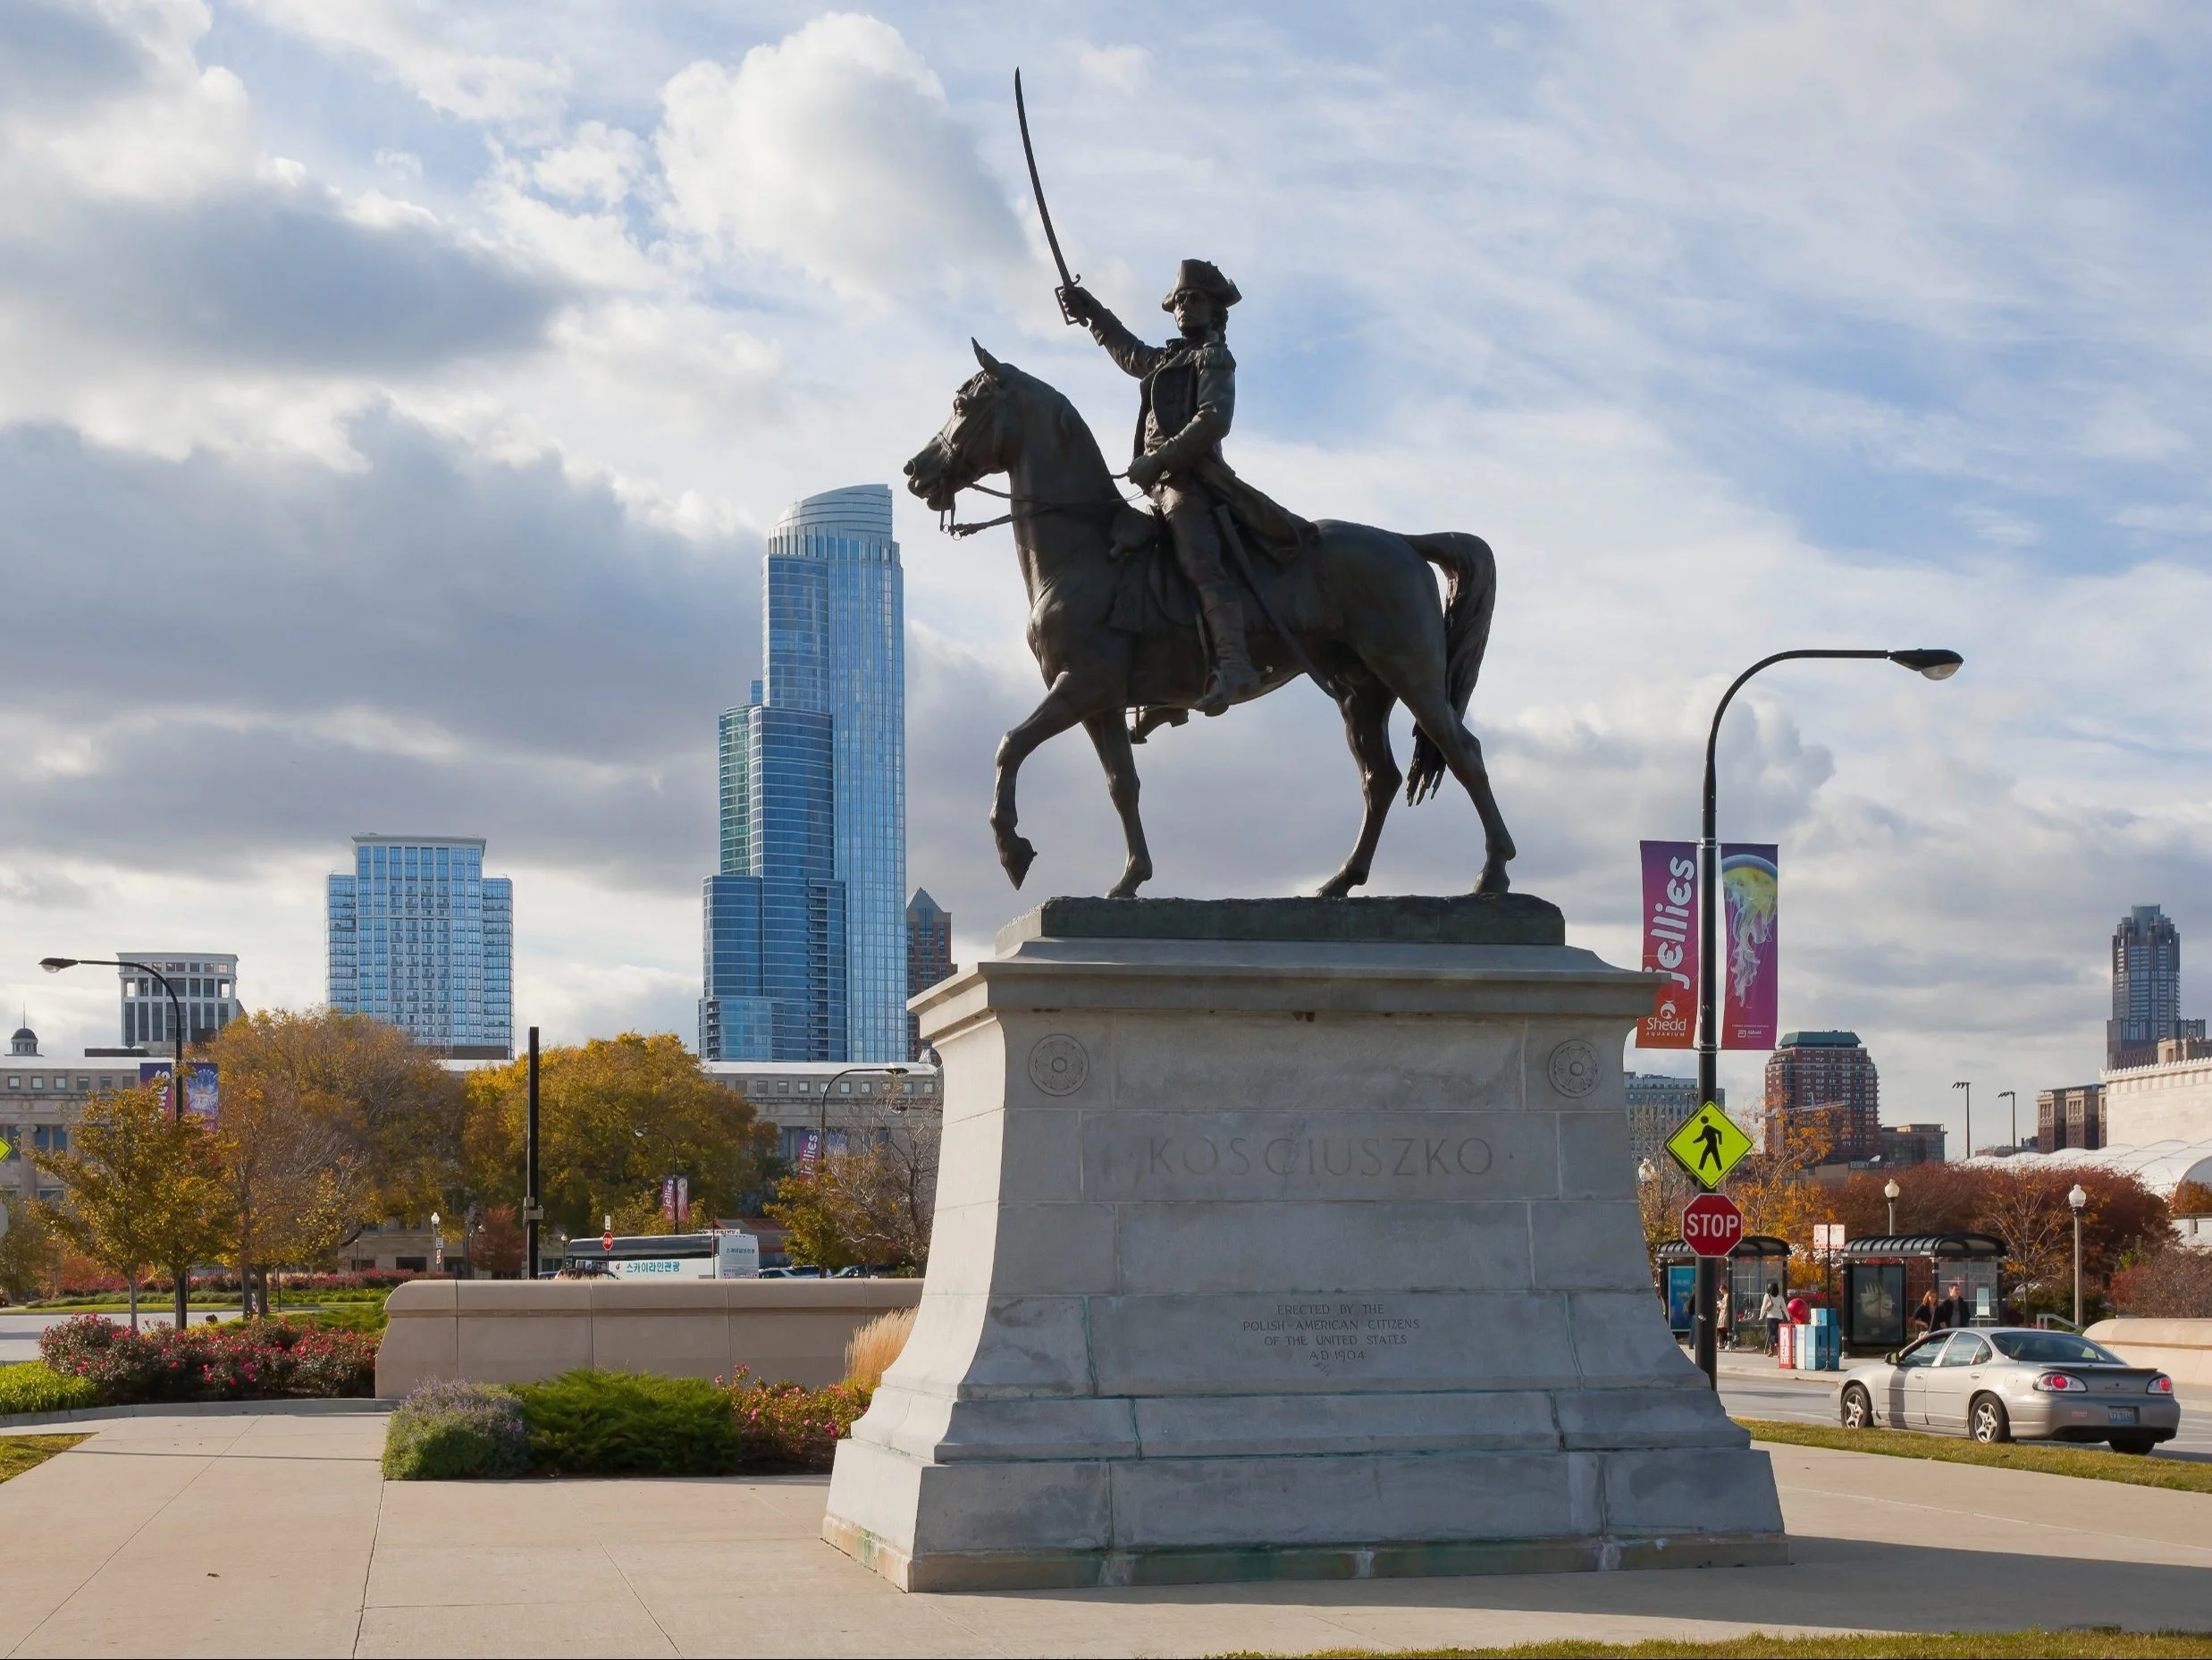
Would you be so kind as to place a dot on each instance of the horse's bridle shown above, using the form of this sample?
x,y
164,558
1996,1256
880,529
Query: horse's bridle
x,y
948,517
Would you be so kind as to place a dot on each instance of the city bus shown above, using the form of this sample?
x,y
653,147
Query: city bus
x,y
720,1255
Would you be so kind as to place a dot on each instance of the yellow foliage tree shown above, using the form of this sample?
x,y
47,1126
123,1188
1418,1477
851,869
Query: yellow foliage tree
x,y
616,1116
140,1189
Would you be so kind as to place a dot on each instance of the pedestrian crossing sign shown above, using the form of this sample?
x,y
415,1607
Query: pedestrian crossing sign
x,y
1708,1145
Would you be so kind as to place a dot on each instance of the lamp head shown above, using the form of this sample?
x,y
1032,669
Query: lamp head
x,y
55,965
2077,1198
1890,1190
1937,665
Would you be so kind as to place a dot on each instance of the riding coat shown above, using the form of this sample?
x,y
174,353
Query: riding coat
x,y
1186,401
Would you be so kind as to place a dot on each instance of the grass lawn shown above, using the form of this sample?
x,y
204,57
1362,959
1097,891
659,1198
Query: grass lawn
x,y
21,1452
1998,1645
2051,1459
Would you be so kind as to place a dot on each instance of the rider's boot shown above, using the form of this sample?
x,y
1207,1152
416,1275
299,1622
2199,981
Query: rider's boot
x,y
1234,677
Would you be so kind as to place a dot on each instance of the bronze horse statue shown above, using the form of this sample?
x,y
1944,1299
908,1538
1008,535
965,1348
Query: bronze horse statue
x,y
1356,607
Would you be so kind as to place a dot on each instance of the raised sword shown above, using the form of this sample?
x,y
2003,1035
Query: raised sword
x,y
1044,213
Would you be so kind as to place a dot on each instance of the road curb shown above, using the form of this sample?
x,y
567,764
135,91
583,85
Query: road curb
x,y
194,1409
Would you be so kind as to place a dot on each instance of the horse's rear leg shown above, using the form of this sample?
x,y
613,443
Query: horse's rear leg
x,y
1367,705
1110,733
1058,712
1432,710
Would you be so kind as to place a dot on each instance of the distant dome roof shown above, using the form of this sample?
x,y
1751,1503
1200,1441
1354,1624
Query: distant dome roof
x,y
24,1043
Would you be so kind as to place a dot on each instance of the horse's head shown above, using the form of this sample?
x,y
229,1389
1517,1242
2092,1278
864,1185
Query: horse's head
x,y
979,439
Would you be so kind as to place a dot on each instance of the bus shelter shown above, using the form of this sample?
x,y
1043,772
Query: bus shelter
x,y
1887,1277
1758,1261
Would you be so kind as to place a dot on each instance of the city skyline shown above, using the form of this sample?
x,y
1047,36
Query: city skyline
x,y
1798,360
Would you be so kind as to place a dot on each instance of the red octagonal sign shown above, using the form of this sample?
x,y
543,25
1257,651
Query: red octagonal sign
x,y
1711,1225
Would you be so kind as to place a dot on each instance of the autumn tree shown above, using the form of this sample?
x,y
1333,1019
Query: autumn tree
x,y
1775,1187
382,1111
30,1253
140,1188
616,1116
871,1205
298,1178
495,1241
2190,1199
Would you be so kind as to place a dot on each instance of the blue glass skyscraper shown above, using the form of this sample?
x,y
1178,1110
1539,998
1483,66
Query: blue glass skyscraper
x,y
806,924
421,938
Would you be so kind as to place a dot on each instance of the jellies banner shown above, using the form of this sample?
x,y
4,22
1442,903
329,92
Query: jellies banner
x,y
201,1091
1749,887
1671,943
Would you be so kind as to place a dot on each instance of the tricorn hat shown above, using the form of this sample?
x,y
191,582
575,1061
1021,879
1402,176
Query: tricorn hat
x,y
1205,277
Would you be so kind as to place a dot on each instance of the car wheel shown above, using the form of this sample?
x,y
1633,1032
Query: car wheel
x,y
1858,1408
1986,1420
2136,1445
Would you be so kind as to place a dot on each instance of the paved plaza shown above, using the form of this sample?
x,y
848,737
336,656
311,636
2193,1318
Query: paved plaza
x,y
273,1534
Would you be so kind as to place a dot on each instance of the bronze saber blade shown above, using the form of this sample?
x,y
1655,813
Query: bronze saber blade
x,y
1044,213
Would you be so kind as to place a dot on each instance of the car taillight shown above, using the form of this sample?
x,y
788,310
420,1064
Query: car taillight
x,y
2061,1383
2161,1385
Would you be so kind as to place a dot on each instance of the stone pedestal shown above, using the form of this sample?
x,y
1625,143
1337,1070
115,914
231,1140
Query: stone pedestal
x,y
1288,1239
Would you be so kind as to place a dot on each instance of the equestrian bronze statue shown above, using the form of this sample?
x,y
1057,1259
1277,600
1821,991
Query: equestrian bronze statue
x,y
1213,594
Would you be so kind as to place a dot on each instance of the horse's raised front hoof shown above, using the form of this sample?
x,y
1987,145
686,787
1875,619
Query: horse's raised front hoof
x,y
1133,877
1493,879
1340,884
1016,855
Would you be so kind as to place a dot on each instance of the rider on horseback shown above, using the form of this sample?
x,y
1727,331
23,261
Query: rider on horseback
x,y
1189,398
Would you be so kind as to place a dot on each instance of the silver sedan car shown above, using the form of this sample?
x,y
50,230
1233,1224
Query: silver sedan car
x,y
1997,1383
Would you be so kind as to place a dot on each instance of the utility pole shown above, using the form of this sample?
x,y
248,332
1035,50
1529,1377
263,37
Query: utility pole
x,y
533,1212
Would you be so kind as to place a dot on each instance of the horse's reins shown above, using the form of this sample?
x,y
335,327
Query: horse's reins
x,y
947,519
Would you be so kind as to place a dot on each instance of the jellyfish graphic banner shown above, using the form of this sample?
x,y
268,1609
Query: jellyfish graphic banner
x,y
1749,885
1671,943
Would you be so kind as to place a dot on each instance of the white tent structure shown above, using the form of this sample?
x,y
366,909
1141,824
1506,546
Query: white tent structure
x,y
2160,1165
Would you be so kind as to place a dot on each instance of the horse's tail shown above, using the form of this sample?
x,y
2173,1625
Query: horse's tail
x,y
1470,595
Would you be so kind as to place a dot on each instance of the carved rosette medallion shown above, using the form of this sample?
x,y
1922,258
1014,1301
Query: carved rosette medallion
x,y
1574,1068
1059,1065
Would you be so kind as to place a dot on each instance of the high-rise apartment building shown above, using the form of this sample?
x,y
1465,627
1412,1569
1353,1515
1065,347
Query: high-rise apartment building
x,y
1825,1071
421,938
806,960
929,956
2146,989
205,983
2073,1116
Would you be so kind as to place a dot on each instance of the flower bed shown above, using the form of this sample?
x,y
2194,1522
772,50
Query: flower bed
x,y
787,1425
245,1360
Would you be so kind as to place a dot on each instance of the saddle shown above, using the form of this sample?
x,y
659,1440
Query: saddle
x,y
1153,596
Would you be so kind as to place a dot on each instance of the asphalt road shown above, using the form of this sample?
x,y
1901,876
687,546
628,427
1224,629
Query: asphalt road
x,y
18,1332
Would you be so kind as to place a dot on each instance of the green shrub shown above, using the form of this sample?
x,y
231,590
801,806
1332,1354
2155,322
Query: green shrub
x,y
34,1386
451,1431
630,1423
366,1318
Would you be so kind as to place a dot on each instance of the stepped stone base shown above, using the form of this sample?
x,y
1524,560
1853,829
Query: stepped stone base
x,y
1265,1257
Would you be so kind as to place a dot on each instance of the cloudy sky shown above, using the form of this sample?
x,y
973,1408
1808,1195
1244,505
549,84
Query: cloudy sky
x,y
393,394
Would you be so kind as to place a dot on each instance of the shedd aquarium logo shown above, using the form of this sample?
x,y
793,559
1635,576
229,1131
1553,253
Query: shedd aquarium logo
x,y
1668,1020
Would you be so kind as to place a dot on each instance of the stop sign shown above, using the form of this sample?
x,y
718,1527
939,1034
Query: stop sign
x,y
1711,1225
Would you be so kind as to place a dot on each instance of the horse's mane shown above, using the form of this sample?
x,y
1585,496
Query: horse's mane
x,y
1067,422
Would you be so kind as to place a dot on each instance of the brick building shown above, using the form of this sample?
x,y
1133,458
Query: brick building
x,y
1816,1070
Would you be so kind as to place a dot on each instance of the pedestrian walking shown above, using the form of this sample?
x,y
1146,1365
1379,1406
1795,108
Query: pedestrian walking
x,y
1771,1310
1725,1332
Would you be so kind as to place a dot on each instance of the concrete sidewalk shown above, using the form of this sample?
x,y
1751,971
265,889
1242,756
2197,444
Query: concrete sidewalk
x,y
273,1534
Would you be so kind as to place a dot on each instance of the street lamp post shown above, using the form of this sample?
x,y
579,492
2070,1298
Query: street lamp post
x,y
822,1132
437,1242
1937,665
54,966
1889,1191
1969,1088
2012,1097
2076,1200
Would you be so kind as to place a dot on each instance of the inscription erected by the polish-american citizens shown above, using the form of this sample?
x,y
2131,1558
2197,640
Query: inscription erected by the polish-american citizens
x,y
1323,1332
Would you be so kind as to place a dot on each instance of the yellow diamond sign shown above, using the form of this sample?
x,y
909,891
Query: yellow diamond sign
x,y
1708,1145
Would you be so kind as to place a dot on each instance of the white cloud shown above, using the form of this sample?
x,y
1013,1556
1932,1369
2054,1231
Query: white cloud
x,y
446,54
835,151
1120,68
601,164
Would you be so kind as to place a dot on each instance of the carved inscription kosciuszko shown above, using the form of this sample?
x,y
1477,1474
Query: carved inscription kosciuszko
x,y
1415,1156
